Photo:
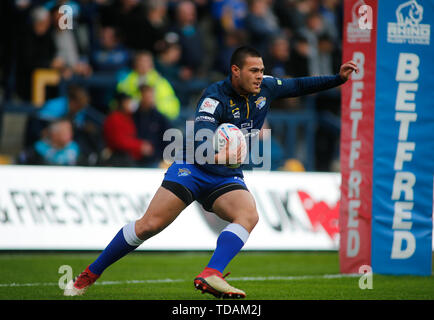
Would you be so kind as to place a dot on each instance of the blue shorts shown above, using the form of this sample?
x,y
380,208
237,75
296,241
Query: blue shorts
x,y
189,182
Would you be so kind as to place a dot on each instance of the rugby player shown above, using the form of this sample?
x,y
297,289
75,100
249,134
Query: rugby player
x,y
242,99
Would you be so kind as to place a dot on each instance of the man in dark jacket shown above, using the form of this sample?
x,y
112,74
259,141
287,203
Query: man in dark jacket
x,y
150,125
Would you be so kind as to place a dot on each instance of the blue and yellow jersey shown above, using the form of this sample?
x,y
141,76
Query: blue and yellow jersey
x,y
220,103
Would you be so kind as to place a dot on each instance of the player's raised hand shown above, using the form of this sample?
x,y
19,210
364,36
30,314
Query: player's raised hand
x,y
347,68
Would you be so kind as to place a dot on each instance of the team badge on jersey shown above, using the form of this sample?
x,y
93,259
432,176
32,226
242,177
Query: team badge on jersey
x,y
236,113
260,102
208,105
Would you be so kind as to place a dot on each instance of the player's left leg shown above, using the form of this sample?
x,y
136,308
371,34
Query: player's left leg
x,y
237,207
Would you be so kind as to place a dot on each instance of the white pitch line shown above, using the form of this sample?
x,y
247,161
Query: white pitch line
x,y
270,278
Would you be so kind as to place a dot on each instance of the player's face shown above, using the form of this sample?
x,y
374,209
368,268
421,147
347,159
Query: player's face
x,y
249,77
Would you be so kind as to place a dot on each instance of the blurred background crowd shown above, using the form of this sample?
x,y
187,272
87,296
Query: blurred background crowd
x,y
104,79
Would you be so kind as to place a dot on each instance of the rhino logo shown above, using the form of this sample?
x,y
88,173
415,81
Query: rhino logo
x,y
409,13
408,27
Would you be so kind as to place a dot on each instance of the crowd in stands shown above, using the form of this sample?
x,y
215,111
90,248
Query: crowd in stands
x,y
161,54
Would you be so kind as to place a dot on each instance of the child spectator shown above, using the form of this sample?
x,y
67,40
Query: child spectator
x,y
56,147
86,120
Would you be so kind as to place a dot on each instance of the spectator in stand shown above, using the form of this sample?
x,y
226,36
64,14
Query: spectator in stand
x,y
277,61
332,12
56,147
328,106
156,24
127,16
328,55
87,121
120,133
293,13
168,63
74,106
299,57
232,40
315,26
228,16
144,73
110,56
261,24
68,48
36,49
278,64
84,18
190,37
150,125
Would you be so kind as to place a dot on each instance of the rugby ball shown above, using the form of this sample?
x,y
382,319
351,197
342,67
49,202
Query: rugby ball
x,y
228,133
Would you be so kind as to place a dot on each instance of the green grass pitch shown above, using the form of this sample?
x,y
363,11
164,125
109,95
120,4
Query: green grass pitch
x,y
169,276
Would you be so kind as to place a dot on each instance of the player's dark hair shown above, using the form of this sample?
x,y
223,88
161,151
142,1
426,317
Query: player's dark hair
x,y
239,56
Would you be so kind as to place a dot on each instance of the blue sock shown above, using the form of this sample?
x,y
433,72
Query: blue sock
x,y
229,243
116,249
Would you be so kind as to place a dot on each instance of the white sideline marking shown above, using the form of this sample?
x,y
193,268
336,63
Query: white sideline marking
x,y
105,283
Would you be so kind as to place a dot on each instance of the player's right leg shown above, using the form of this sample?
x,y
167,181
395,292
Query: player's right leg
x,y
165,206
239,209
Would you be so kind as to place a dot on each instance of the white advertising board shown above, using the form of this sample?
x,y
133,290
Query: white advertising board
x,y
79,208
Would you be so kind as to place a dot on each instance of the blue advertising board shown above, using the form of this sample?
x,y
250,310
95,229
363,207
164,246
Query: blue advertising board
x,y
402,201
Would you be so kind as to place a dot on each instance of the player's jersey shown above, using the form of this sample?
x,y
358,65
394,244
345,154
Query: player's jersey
x,y
220,103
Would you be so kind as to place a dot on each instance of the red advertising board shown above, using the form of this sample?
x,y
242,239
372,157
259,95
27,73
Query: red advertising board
x,y
357,133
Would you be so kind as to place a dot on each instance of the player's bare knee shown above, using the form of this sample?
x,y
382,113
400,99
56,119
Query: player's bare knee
x,y
248,219
148,227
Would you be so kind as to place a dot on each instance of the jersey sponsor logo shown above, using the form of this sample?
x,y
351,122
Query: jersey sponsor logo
x,y
204,118
408,28
208,105
183,172
260,102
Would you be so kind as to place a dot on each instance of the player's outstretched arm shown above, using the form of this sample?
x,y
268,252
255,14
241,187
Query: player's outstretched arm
x,y
295,87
